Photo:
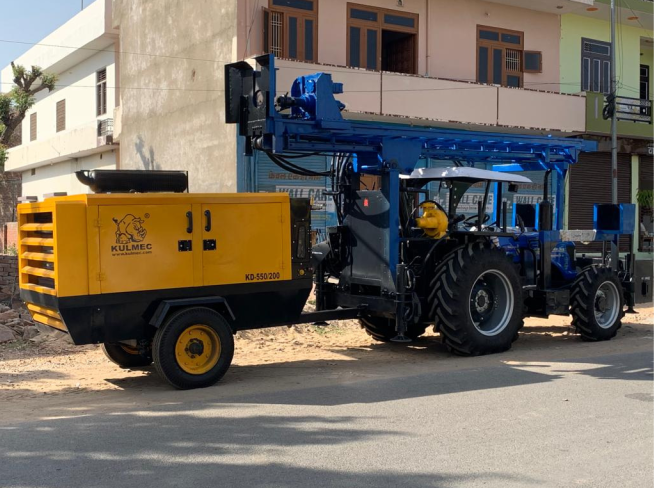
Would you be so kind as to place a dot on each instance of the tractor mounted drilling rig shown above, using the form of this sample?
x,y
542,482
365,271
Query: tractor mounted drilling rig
x,y
137,272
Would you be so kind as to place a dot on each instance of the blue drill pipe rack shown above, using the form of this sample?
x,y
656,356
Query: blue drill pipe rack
x,y
309,120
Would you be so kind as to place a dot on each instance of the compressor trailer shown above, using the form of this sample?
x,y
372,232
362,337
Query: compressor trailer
x,y
161,276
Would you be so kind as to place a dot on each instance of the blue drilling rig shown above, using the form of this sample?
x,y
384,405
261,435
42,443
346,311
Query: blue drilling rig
x,y
401,261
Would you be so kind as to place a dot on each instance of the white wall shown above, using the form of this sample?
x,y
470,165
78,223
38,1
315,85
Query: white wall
x,y
77,86
60,177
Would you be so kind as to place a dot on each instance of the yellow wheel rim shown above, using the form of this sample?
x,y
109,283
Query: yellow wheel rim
x,y
129,350
198,349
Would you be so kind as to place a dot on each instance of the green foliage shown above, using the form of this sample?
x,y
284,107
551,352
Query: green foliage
x,y
645,198
5,108
48,80
22,101
11,250
15,104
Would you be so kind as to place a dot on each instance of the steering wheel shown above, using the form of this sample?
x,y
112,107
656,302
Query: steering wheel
x,y
486,219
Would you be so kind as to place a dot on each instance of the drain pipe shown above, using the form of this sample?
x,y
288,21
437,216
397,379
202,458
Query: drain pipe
x,y
427,37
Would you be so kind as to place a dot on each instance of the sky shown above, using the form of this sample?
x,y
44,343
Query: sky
x,y
31,21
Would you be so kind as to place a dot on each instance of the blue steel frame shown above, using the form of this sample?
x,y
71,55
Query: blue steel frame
x,y
315,124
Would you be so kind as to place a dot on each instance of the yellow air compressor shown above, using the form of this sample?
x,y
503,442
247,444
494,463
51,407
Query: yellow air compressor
x,y
165,277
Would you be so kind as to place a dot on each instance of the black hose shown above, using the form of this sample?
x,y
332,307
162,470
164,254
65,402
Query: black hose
x,y
293,168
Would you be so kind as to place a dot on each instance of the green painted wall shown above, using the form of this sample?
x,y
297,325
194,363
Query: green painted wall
x,y
575,27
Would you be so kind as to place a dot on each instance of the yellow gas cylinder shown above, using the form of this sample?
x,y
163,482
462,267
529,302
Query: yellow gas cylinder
x,y
433,221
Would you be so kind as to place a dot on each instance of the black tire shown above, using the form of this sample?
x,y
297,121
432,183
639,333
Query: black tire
x,y
125,356
597,303
382,329
211,338
470,284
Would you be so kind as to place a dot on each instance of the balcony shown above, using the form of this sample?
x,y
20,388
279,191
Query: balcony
x,y
371,95
78,142
635,117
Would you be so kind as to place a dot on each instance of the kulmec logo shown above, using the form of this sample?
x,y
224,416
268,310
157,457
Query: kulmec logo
x,y
130,233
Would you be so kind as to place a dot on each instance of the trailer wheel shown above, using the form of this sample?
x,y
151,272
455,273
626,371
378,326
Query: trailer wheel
x,y
476,300
193,348
597,303
382,329
125,356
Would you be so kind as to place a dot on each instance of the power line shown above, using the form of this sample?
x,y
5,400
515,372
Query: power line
x,y
635,14
130,87
474,87
9,41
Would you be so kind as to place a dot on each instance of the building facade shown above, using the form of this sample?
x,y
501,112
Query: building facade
x,y
70,128
504,65
511,66
585,60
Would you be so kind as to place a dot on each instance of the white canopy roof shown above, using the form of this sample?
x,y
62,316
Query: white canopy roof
x,y
464,172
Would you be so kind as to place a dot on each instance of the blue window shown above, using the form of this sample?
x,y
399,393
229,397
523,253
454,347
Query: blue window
x,y
359,14
511,38
298,4
309,32
399,20
355,47
489,35
371,49
292,37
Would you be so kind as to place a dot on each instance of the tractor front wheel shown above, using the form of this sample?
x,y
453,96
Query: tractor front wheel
x,y
597,303
193,348
476,300
124,355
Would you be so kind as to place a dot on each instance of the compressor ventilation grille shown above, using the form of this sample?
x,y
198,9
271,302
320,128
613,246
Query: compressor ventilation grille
x,y
37,252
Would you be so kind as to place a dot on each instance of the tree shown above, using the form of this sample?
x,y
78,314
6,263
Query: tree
x,y
19,100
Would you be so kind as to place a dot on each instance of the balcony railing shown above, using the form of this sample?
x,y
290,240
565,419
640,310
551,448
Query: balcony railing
x,y
634,116
634,110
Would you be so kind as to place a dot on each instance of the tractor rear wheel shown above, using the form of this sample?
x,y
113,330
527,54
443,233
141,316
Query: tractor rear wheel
x,y
193,348
597,305
382,329
476,300
125,356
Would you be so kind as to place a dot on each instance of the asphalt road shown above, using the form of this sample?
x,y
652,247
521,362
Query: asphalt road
x,y
579,415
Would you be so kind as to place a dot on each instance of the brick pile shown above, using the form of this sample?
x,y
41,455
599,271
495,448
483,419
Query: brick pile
x,y
15,321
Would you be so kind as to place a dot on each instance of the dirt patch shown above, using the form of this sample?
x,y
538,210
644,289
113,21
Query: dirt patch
x,y
53,366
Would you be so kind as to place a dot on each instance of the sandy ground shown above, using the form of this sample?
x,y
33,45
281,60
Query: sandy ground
x,y
54,367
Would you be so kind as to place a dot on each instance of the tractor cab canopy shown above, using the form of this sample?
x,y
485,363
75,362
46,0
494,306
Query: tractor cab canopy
x,y
421,176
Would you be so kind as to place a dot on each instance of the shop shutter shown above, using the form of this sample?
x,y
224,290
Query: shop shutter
x,y
590,182
272,178
646,183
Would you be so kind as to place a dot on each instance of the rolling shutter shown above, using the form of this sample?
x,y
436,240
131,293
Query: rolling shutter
x,y
590,182
271,178
646,183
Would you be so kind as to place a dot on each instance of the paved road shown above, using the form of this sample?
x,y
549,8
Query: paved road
x,y
560,416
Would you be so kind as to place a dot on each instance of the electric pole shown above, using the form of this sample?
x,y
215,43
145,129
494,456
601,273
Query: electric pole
x,y
613,124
